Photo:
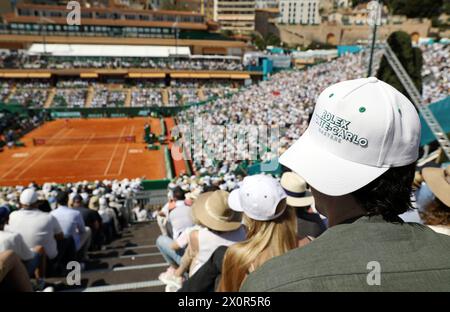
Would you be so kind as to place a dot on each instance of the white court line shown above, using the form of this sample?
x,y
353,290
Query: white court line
x,y
84,146
50,148
125,154
114,152
28,158
119,287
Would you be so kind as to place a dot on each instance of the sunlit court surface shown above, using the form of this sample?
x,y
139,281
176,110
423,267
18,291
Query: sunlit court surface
x,y
83,149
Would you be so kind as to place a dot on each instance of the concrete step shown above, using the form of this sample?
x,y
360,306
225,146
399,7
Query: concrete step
x,y
130,263
112,278
114,253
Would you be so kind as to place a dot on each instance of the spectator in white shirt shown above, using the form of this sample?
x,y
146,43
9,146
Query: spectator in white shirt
x,y
34,260
38,229
180,218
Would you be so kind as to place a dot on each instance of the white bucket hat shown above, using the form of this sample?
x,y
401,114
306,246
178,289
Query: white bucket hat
x,y
258,197
360,128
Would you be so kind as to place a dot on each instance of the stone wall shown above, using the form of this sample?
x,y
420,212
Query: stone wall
x,y
340,34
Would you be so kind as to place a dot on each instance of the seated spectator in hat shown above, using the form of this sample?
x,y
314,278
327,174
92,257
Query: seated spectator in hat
x,y
271,229
37,228
309,224
93,201
119,211
221,226
72,225
359,156
423,196
109,217
33,259
91,219
437,213
180,218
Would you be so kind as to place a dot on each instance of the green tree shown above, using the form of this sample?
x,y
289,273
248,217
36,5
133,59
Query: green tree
x,y
261,43
227,32
410,57
273,40
173,6
446,7
414,8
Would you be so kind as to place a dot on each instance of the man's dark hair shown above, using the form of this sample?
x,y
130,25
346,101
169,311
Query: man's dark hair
x,y
178,193
62,198
43,205
390,194
77,198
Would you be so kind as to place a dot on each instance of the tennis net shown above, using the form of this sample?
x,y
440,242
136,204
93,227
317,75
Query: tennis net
x,y
84,140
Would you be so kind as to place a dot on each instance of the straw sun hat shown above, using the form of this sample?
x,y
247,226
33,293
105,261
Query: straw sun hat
x,y
212,210
438,180
295,188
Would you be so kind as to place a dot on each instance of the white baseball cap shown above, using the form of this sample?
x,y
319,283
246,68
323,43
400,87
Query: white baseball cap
x,y
360,128
258,197
28,197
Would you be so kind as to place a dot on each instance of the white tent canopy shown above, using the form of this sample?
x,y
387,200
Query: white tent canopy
x,y
108,50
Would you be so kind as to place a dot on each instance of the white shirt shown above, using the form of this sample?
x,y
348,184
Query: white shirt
x,y
209,241
180,218
71,223
14,242
36,228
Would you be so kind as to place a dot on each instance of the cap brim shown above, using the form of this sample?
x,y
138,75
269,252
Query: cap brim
x,y
233,201
326,172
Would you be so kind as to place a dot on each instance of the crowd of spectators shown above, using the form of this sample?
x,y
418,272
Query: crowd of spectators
x,y
48,226
20,59
183,96
103,97
286,101
435,72
398,207
221,231
31,94
13,126
145,96
72,97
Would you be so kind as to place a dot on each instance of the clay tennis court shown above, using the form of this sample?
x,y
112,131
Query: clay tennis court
x,y
83,149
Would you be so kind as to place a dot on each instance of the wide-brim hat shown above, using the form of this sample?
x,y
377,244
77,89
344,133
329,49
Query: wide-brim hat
x,y
438,180
211,210
297,193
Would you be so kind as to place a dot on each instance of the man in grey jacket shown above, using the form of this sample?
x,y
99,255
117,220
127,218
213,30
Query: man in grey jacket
x,y
358,155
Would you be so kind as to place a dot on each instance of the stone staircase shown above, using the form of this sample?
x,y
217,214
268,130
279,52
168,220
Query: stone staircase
x,y
131,263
